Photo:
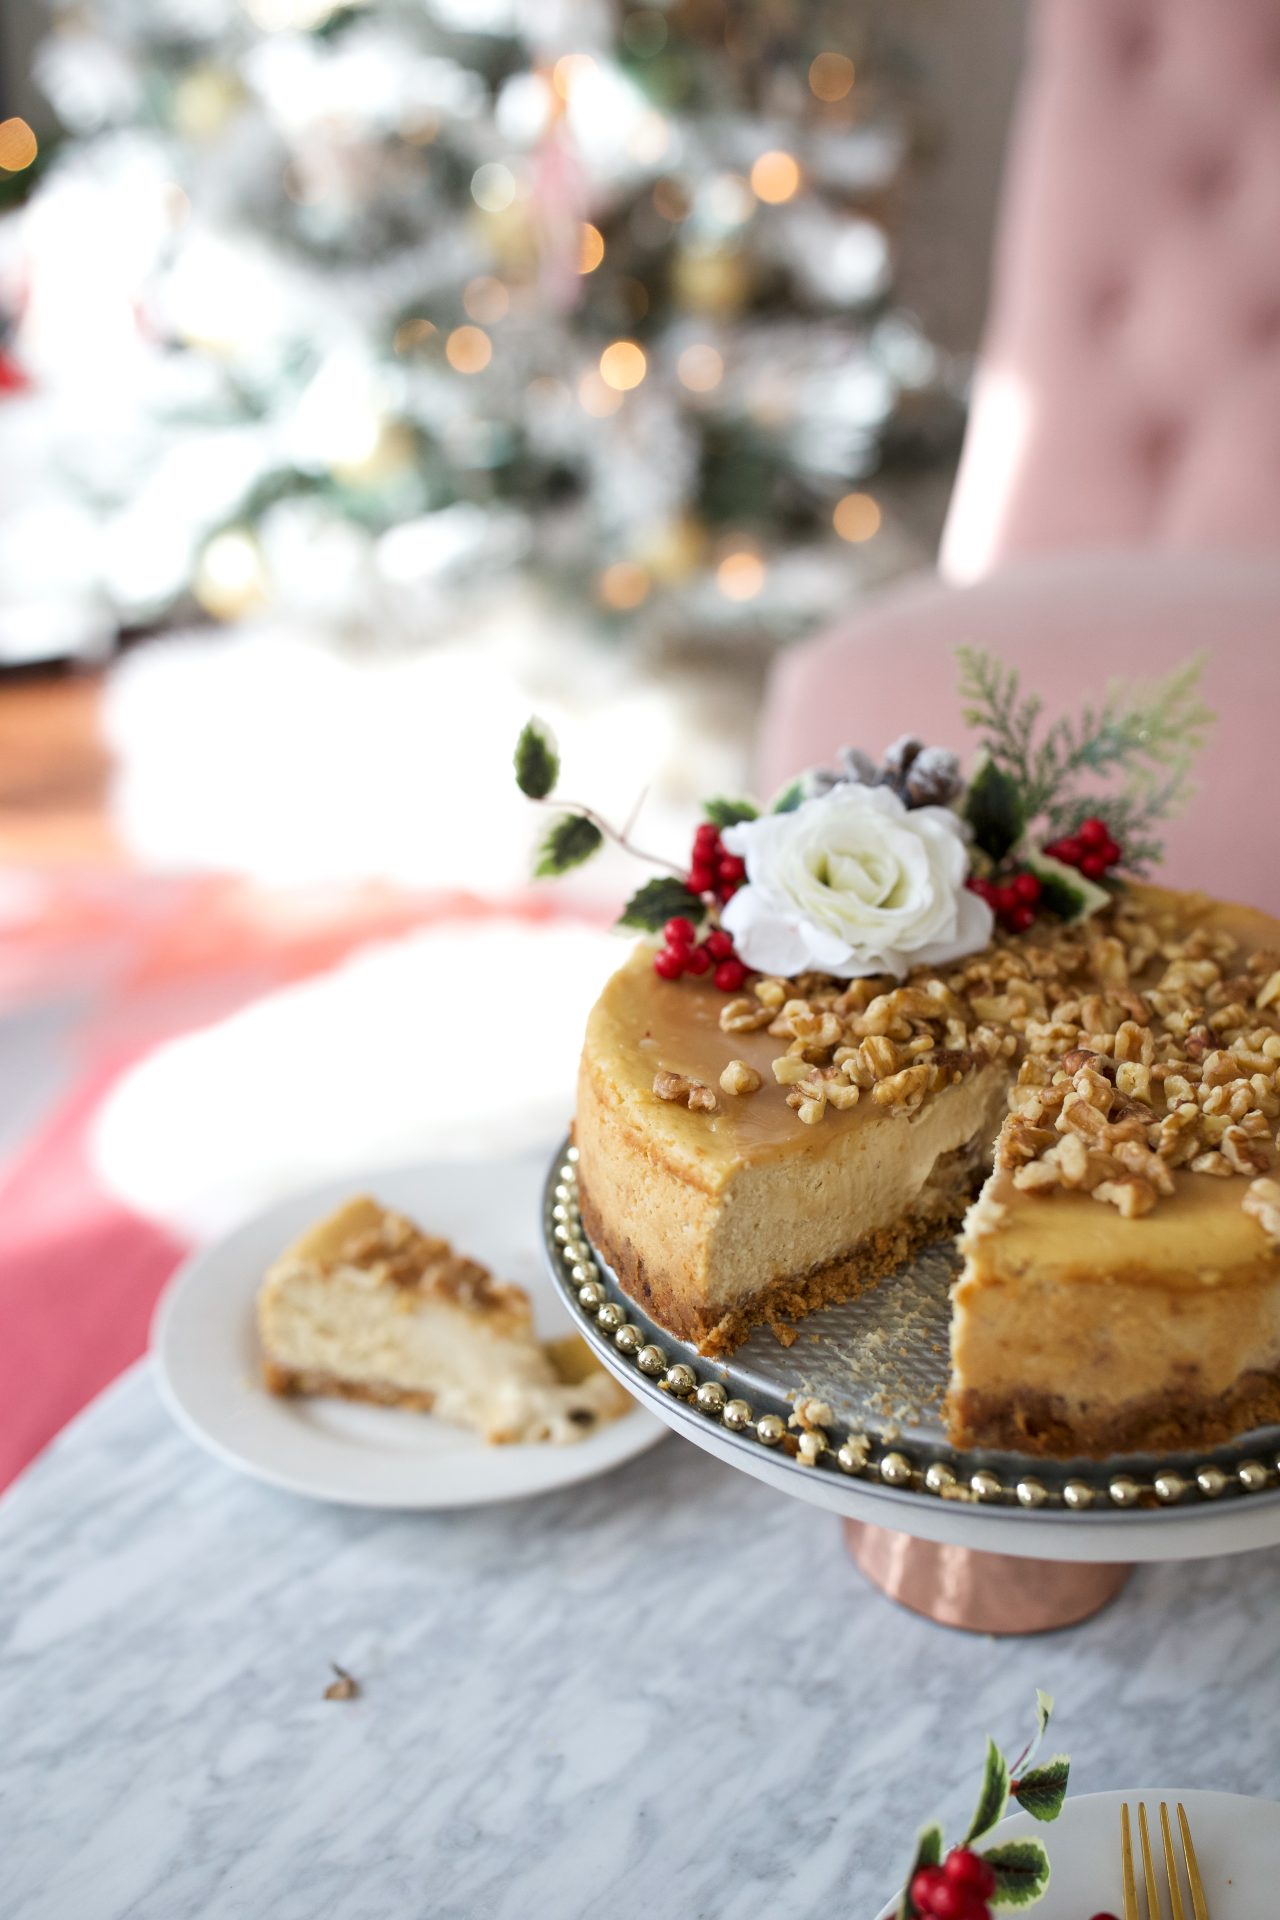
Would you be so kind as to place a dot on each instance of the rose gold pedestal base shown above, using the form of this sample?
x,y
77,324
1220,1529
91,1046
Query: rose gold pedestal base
x,y
980,1592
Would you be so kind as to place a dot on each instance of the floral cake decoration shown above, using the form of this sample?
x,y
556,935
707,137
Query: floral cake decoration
x,y
874,867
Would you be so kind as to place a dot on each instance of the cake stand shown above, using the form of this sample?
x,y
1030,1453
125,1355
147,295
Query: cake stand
x,y
994,1541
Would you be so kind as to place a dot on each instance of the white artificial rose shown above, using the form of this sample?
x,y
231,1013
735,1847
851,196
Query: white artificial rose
x,y
854,882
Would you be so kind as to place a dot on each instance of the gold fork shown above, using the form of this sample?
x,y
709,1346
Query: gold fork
x,y
1199,1905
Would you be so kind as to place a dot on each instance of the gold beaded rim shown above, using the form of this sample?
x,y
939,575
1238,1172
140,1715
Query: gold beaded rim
x,y
862,1456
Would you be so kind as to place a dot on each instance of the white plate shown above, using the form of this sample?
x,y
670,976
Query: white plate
x,y
1237,1844
205,1347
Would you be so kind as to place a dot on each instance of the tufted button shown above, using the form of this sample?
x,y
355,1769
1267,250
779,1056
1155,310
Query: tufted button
x,y
1206,178
1106,305
1158,445
1262,324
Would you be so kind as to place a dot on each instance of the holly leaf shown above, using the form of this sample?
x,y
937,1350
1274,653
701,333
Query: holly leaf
x,y
569,840
993,1796
1021,1868
1040,1791
928,1853
1044,1714
727,813
789,799
994,808
1065,891
658,901
537,762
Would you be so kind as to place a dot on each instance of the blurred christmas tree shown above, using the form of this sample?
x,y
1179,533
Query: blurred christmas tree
x,y
341,309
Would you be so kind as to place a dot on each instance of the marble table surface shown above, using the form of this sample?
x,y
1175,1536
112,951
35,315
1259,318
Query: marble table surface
x,y
664,1693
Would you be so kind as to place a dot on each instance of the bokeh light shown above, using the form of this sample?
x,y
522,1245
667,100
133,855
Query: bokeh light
x,y
18,145
595,398
493,187
486,299
649,140
624,585
671,197
644,32
570,70
857,517
412,335
590,247
740,576
623,365
700,368
775,177
831,76
469,349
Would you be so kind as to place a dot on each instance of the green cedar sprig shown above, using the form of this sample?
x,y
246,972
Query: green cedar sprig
x,y
1147,736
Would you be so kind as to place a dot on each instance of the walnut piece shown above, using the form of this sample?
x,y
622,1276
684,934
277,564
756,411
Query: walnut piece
x,y
696,1096
739,1078
1262,1203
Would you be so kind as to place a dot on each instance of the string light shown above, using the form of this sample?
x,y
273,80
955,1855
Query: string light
x,y
486,299
671,198
729,201
775,177
595,398
740,576
493,187
857,517
18,145
700,368
412,335
831,76
649,139
623,365
590,247
468,349
624,585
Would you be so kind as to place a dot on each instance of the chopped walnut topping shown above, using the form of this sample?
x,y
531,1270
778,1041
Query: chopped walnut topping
x,y
695,1095
739,1078
743,1016
1262,1203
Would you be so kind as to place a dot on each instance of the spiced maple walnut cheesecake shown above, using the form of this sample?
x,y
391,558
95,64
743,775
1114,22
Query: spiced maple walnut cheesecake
x,y
1111,1086
366,1306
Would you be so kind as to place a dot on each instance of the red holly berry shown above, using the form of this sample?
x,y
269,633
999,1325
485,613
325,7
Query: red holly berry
x,y
1004,900
965,1868
1093,833
719,944
702,876
731,868
1026,889
707,838
669,964
983,888
955,1902
1093,865
1110,852
925,1884
1069,851
679,932
729,975
1104,1916
697,960
1019,918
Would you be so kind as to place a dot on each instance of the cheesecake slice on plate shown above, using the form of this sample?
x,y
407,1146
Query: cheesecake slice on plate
x,y
367,1306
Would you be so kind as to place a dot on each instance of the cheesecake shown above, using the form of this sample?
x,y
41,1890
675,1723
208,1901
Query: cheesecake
x,y
1096,1104
366,1306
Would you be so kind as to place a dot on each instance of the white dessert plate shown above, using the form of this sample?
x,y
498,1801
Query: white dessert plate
x,y
204,1345
1237,1844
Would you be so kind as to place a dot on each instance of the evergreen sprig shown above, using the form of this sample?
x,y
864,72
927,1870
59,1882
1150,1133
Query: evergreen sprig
x,y
1146,734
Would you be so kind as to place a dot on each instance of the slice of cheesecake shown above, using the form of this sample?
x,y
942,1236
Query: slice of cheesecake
x,y
367,1306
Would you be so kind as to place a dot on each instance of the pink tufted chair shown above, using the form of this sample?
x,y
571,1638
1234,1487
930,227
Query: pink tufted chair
x,y
1118,502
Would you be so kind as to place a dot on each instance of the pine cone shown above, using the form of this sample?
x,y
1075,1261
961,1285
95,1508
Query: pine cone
x,y
934,778
898,761
857,767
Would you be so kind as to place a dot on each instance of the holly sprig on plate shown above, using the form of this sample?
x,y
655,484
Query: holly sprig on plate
x,y
969,1884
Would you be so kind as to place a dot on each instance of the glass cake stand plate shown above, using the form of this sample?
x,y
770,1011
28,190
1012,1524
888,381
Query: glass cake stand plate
x,y
880,1364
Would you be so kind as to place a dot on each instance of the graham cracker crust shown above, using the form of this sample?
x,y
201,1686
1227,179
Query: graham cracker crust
x,y
1167,1422
719,1328
309,1382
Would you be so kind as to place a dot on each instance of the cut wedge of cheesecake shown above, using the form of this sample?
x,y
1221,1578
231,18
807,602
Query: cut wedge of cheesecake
x,y
366,1306
744,1162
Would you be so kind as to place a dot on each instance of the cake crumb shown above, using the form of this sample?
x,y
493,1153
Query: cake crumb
x,y
343,1686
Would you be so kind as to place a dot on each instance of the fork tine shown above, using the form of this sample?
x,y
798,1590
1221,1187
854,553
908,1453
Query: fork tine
x,y
1171,1865
1148,1865
1126,1865
1199,1904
